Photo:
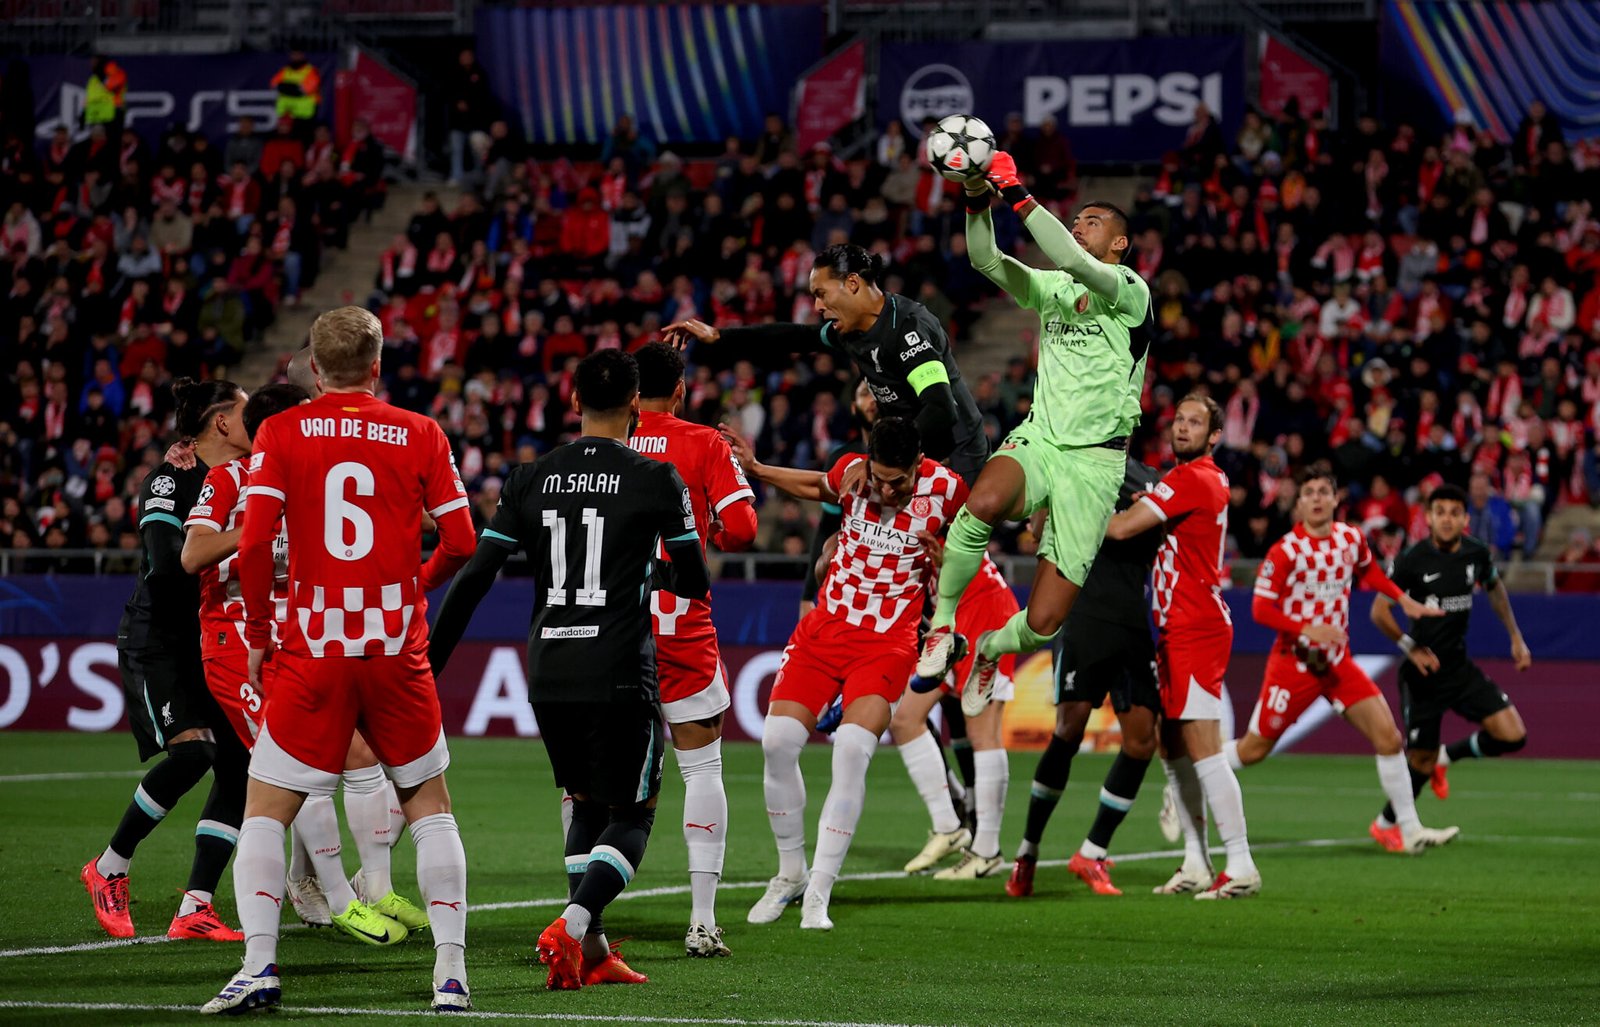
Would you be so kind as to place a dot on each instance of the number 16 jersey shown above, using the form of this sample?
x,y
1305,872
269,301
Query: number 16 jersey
x,y
591,515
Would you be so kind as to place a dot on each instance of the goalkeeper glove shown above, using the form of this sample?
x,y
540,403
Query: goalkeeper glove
x,y
1002,176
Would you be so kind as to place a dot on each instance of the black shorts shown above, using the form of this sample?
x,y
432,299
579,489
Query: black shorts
x,y
167,694
1094,658
968,458
608,752
1459,687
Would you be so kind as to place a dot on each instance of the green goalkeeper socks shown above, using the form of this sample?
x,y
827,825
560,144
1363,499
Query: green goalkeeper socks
x,y
1015,637
963,555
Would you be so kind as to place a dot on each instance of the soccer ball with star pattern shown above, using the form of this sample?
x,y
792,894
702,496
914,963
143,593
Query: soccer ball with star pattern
x,y
961,147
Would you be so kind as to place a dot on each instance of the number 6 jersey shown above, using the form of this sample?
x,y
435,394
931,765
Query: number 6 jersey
x,y
590,516
350,476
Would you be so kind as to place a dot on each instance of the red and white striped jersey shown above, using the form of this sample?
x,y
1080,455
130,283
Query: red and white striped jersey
x,y
350,476
220,507
716,481
879,570
1192,501
1310,579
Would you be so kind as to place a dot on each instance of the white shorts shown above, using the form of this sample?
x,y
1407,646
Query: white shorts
x,y
703,705
270,764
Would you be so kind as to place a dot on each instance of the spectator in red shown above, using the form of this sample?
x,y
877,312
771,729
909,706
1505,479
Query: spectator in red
x,y
585,230
282,145
561,345
1578,563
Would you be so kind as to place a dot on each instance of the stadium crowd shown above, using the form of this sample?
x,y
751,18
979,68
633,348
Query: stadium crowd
x,y
1415,309
125,266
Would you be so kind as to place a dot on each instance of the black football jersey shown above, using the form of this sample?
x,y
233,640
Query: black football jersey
x,y
1115,588
905,337
164,610
1445,581
591,516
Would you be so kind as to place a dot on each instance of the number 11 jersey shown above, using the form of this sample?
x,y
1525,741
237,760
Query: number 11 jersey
x,y
590,516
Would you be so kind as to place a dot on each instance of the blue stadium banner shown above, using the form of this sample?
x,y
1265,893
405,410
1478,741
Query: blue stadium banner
x,y
684,72
1491,60
205,93
1127,100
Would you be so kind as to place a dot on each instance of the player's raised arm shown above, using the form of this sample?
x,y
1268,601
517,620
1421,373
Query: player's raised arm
x,y
1369,574
778,338
1058,244
797,483
1007,272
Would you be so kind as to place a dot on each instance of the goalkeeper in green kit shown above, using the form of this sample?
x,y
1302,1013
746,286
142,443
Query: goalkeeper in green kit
x,y
1067,457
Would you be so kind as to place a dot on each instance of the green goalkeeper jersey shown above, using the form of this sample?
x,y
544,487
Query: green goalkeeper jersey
x,y
1092,349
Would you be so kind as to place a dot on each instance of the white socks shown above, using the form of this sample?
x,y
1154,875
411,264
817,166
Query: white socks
x,y
1185,787
992,772
316,827
192,900
1230,749
442,876
1396,780
110,864
782,738
925,766
367,795
853,746
258,869
705,826
1227,807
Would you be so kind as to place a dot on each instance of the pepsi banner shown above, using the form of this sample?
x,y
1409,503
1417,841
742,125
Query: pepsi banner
x,y
205,93
1131,100
683,72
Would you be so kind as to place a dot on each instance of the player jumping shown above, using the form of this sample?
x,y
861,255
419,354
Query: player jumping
x,y
1303,592
694,695
1104,649
1441,573
170,710
591,515
861,641
1191,501
355,651
1068,455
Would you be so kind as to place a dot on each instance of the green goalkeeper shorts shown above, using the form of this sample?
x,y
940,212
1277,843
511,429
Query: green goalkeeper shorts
x,y
1077,484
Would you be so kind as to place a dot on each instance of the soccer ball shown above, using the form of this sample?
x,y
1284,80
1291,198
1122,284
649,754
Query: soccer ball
x,y
961,147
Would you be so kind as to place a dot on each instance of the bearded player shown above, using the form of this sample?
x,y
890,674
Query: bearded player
x,y
694,696
1303,593
1191,503
859,642
355,652
1068,455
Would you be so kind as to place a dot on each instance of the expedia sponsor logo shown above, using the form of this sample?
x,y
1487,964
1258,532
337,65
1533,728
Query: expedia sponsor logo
x,y
1449,604
915,344
576,631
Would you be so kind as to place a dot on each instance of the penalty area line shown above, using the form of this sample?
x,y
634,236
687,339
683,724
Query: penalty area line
x,y
683,889
477,1014
81,775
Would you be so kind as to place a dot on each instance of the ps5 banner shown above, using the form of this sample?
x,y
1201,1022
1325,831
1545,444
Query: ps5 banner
x,y
1123,100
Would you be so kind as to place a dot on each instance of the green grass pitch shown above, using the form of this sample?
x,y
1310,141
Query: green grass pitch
x,y
1501,927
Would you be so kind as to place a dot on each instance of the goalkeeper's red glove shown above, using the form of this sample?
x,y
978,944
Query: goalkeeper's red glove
x,y
1002,174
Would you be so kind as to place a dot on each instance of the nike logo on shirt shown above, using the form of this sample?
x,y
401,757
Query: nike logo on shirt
x,y
1428,577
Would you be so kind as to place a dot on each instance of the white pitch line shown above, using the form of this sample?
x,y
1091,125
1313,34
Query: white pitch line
x,y
479,1014
683,889
85,775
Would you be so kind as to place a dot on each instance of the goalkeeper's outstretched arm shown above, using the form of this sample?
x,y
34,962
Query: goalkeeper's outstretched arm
x,y
1007,272
1052,236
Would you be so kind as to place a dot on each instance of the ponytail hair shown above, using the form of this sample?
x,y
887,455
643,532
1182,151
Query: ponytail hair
x,y
844,259
196,403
